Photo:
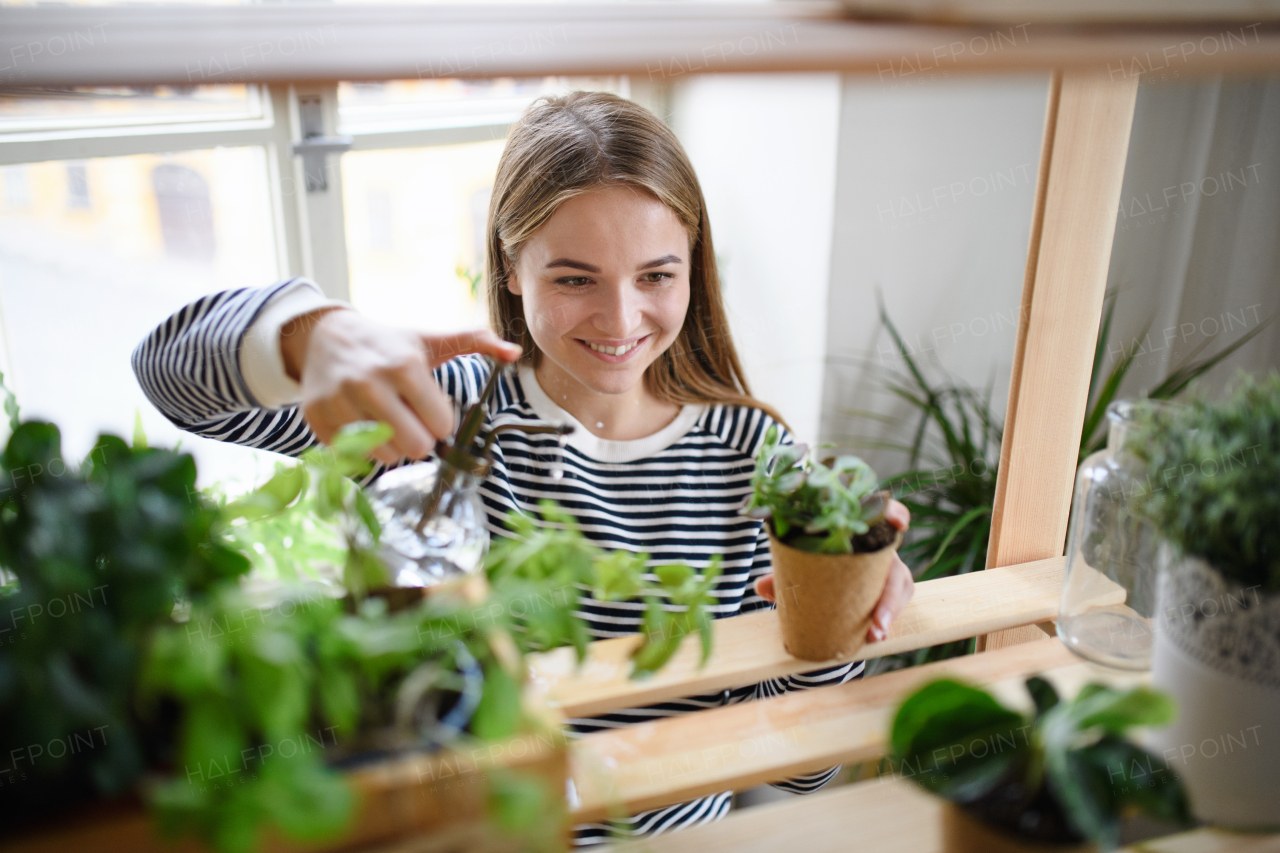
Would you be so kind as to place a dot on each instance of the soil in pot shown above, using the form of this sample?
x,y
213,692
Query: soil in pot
x,y
962,832
825,600
1006,820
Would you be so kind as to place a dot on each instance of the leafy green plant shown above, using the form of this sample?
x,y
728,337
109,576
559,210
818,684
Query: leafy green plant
x,y
546,563
1102,391
1212,472
950,496
311,514
953,458
101,553
271,694
1062,774
822,508
232,699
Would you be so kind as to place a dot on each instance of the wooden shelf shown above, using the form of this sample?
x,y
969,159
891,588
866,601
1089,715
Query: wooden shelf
x,y
426,803
749,648
142,44
888,816
668,761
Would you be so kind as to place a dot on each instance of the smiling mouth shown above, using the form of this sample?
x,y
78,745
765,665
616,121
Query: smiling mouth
x,y
622,350
617,351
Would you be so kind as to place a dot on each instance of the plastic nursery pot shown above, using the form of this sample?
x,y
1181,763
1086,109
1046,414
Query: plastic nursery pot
x,y
825,600
963,833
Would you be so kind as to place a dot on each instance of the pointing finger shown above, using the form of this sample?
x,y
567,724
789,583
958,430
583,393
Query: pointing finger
x,y
441,348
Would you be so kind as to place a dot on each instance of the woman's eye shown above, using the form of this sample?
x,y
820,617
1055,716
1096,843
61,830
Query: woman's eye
x,y
574,280
656,277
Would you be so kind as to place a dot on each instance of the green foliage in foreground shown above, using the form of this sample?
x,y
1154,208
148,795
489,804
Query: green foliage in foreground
x,y
101,551
1213,479
311,515
549,562
812,506
132,630
271,692
1027,773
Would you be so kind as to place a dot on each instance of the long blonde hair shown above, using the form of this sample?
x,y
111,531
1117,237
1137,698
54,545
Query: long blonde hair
x,y
567,145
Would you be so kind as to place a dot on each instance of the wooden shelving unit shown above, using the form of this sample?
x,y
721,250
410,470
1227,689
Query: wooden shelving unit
x,y
1096,70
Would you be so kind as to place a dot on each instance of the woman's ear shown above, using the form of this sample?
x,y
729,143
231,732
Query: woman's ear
x,y
513,281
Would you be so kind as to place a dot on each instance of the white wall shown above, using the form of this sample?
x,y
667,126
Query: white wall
x,y
1196,259
934,196
824,191
764,147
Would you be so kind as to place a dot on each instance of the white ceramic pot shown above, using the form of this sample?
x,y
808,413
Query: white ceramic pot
x,y
1216,650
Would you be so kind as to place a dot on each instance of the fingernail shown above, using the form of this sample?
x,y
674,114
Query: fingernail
x,y
877,634
883,618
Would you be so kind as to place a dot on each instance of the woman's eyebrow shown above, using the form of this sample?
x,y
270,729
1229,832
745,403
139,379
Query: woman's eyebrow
x,y
662,261
577,265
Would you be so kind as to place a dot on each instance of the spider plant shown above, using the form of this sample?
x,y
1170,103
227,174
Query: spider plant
x,y
953,458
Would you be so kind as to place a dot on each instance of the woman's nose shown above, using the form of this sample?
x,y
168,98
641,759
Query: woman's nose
x,y
617,315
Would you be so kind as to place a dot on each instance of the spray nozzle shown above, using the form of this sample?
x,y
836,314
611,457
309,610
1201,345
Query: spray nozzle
x,y
461,454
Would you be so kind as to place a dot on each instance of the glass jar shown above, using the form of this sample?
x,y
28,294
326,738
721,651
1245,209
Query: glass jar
x,y
1109,587
450,542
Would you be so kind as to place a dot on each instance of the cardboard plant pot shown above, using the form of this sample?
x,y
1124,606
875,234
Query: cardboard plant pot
x,y
964,833
825,600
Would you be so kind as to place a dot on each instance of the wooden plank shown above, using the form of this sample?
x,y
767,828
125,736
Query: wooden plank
x,y
889,816
1078,192
886,815
672,760
1068,11
749,648
141,45
432,796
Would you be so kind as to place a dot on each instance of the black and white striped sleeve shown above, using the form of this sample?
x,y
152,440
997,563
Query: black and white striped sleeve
x,y
189,368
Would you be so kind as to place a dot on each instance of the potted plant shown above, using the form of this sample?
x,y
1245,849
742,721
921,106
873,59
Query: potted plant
x,y
1058,779
831,544
140,668
141,664
1212,488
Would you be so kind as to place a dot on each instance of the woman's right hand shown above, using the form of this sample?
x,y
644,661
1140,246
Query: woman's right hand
x,y
355,369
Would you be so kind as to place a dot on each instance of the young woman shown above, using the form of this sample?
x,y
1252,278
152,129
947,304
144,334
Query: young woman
x,y
603,286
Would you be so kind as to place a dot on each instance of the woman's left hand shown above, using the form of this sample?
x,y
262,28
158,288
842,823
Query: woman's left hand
x,y
898,587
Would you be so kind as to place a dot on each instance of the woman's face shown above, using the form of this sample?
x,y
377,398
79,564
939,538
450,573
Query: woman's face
x,y
605,284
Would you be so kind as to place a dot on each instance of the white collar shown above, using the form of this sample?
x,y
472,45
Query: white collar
x,y
603,449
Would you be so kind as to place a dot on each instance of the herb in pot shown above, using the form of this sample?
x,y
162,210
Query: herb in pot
x,y
1062,775
827,507
137,634
547,563
831,544
1212,470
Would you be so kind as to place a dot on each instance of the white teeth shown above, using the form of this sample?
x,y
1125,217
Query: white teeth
x,y
622,350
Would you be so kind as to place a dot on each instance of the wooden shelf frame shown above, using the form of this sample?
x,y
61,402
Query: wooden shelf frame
x,y
675,759
138,45
1093,86
749,648
887,815
1086,141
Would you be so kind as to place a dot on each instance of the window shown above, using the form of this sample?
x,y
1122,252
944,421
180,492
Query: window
x,y
119,205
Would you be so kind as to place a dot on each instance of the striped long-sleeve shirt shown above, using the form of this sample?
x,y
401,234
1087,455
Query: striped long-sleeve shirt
x,y
673,495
